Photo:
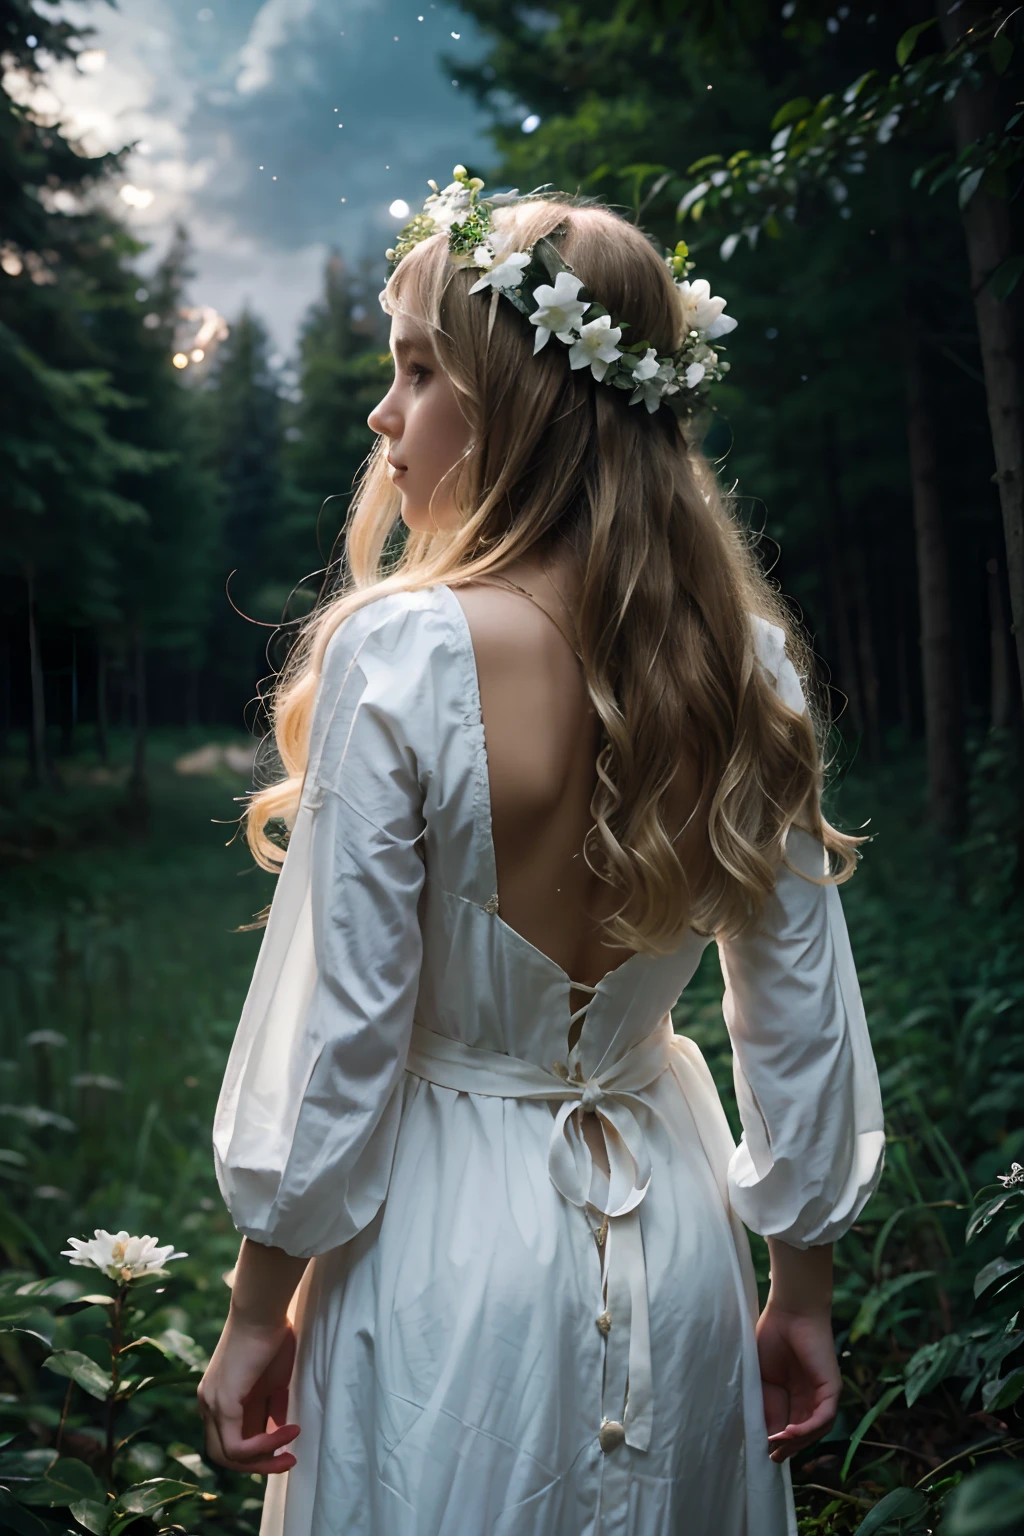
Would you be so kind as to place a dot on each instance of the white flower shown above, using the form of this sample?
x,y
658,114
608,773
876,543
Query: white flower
x,y
654,380
504,274
596,346
120,1256
647,367
450,206
703,313
1015,1176
694,374
722,326
483,256
558,310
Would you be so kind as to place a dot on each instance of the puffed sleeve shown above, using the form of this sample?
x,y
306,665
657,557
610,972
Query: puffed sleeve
x,y
308,1115
813,1141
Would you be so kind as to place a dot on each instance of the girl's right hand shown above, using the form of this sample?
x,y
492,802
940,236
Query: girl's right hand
x,y
799,1377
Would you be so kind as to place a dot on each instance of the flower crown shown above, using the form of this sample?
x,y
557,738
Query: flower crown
x,y
545,289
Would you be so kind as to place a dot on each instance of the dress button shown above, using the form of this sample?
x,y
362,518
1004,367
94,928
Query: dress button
x,y
611,1435
604,1322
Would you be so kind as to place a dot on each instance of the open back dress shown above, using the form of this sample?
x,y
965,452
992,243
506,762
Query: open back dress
x,y
497,1338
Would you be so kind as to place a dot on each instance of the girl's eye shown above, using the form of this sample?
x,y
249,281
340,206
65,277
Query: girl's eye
x,y
418,374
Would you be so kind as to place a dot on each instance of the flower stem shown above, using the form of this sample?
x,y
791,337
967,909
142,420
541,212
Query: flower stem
x,y
115,1379
64,1415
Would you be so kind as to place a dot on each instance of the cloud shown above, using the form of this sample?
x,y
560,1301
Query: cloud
x,y
215,93
270,31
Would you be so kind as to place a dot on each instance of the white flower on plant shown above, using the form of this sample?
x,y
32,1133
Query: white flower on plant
x,y
1015,1176
503,274
703,313
694,373
596,346
120,1256
558,311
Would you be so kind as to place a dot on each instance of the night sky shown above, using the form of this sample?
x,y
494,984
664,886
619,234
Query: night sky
x,y
319,93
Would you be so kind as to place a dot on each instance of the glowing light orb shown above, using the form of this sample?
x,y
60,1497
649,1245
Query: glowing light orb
x,y
180,360
399,209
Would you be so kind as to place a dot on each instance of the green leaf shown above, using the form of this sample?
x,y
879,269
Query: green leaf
x,y
997,1270
30,1333
798,107
154,1494
987,1503
25,1464
153,1383
175,1346
865,1424
22,1521
93,1514
901,1504
191,1460
80,1303
65,1483
877,1298
926,169
698,165
771,227
908,42
969,185
1000,52
88,1375
930,1365
853,91
981,1217
1002,283
1001,1394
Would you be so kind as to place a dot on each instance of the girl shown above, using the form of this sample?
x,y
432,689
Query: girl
x,y
531,773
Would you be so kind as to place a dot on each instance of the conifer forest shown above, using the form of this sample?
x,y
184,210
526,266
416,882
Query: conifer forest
x,y
174,483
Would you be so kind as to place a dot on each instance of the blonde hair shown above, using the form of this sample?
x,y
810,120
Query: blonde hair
x,y
669,583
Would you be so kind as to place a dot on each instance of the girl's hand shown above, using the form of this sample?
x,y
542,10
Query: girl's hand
x,y
799,1377
245,1388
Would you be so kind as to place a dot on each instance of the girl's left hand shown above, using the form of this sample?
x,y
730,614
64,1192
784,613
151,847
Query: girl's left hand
x,y
244,1389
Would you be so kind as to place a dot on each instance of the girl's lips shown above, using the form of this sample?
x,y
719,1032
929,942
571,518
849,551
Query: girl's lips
x,y
396,469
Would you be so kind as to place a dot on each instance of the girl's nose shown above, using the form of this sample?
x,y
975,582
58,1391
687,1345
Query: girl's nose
x,y
384,419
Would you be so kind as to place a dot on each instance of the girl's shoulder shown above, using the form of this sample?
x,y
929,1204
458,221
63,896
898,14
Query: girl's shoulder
x,y
412,624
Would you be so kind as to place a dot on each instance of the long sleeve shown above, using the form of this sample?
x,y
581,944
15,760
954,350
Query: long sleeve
x,y
308,1116
813,1141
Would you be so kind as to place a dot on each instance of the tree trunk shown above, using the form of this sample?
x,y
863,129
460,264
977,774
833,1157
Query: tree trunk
x,y
838,577
5,697
69,705
1000,659
192,696
906,706
137,782
986,221
102,730
947,792
39,768
867,653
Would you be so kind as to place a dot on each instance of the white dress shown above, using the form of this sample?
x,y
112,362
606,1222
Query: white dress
x,y
400,1103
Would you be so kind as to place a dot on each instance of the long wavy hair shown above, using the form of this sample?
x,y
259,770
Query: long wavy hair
x,y
670,580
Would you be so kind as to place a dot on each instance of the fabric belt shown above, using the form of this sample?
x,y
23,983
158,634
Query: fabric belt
x,y
611,1094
